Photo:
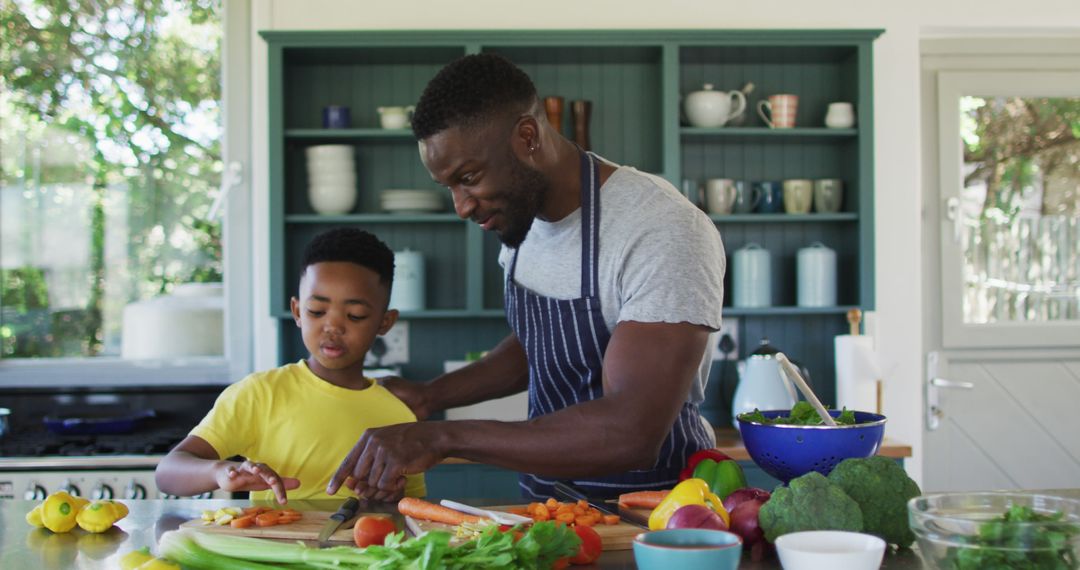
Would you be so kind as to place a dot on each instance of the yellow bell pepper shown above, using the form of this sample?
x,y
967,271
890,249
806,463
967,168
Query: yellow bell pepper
x,y
135,558
58,512
99,516
688,492
34,517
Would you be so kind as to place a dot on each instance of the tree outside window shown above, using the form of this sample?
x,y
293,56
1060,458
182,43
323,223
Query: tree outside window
x,y
110,159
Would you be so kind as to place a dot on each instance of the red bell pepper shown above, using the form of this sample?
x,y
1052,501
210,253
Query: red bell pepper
x,y
691,462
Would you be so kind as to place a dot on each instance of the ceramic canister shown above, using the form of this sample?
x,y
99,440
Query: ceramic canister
x,y
752,278
407,293
816,269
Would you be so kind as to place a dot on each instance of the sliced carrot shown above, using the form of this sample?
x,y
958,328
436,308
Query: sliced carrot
x,y
256,510
642,499
566,517
242,522
585,520
611,519
523,511
551,503
421,509
267,519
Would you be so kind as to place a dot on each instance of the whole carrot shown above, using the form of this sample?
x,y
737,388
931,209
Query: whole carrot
x,y
642,499
421,509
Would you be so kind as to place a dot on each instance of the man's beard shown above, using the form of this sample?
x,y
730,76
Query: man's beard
x,y
527,190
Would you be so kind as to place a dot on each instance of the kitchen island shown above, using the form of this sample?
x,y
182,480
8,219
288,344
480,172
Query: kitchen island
x,y
23,547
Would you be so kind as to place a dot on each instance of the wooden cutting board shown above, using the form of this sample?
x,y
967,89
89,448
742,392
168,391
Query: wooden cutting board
x,y
306,528
614,537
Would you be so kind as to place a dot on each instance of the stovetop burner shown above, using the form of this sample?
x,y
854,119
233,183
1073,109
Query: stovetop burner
x,y
38,444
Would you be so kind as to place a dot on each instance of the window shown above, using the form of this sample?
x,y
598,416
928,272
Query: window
x,y
1010,183
112,199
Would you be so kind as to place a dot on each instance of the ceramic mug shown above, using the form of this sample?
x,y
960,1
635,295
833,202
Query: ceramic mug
x,y
746,199
335,117
772,197
798,195
840,115
720,195
394,117
828,195
781,111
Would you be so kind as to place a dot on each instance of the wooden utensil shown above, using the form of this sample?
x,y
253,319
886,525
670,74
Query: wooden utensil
x,y
792,373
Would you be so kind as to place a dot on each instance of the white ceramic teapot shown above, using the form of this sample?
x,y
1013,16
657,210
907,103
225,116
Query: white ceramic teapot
x,y
761,385
708,108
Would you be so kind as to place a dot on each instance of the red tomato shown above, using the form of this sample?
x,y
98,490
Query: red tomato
x,y
560,564
591,545
372,530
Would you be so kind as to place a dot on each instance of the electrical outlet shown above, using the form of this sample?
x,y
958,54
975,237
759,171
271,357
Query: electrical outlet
x,y
729,326
397,347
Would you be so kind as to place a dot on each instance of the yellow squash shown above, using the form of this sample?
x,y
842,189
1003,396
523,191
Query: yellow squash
x,y
58,512
99,516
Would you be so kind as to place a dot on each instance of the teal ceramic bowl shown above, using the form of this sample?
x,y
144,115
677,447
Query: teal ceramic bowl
x,y
687,549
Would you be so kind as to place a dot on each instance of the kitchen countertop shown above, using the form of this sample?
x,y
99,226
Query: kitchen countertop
x,y
25,547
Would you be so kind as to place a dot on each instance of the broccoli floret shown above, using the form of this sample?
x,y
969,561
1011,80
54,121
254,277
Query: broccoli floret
x,y
809,502
882,489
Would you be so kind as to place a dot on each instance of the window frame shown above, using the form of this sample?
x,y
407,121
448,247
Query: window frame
x,y
1056,77
236,257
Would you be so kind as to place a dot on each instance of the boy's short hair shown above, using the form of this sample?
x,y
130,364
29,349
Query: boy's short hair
x,y
470,90
352,245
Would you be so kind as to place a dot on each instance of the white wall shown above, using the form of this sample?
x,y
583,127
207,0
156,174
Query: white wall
x,y
896,88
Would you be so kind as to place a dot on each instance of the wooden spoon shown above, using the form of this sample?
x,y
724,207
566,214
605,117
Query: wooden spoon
x,y
792,373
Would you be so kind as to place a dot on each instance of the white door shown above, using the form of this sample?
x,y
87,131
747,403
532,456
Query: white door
x,y
1002,383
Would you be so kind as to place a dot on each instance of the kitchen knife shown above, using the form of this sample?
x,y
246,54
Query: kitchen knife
x,y
570,493
345,512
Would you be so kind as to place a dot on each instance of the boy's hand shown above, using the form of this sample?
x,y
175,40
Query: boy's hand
x,y
251,476
412,393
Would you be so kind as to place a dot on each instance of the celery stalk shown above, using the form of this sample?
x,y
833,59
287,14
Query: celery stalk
x,y
179,547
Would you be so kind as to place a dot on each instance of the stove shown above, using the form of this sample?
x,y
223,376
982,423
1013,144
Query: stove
x,y
35,461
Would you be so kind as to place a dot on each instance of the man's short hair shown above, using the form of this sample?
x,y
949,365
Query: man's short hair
x,y
352,245
469,91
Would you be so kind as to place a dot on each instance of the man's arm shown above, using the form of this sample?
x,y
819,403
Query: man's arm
x,y
648,370
501,372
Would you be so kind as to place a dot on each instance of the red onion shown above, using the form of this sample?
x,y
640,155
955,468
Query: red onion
x,y
739,496
696,516
744,522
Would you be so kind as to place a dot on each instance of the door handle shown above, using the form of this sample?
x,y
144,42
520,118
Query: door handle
x,y
943,383
953,214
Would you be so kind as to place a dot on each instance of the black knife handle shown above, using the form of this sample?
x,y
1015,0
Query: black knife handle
x,y
347,510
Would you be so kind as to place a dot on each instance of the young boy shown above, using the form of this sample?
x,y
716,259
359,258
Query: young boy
x,y
295,424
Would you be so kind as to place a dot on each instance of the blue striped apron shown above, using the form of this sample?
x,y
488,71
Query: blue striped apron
x,y
565,340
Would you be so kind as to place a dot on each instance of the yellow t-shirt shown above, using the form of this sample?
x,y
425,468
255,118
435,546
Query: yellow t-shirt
x,y
300,425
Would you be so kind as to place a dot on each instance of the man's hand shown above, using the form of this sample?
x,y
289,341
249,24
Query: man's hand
x,y
251,476
414,394
379,462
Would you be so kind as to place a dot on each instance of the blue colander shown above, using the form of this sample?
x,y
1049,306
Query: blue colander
x,y
786,451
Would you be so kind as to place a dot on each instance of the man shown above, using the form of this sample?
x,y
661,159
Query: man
x,y
614,286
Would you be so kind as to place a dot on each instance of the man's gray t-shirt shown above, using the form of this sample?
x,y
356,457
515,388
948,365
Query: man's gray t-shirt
x,y
661,259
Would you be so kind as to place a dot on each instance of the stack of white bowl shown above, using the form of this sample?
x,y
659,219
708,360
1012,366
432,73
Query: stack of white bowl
x,y
331,178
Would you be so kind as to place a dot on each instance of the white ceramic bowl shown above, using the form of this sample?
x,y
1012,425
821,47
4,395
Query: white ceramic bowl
x,y
330,200
817,549
329,152
331,178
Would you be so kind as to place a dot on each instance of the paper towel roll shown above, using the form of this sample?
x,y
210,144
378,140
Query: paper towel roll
x,y
857,373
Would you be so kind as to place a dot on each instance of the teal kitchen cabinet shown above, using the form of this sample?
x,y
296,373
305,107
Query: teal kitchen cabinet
x,y
636,80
